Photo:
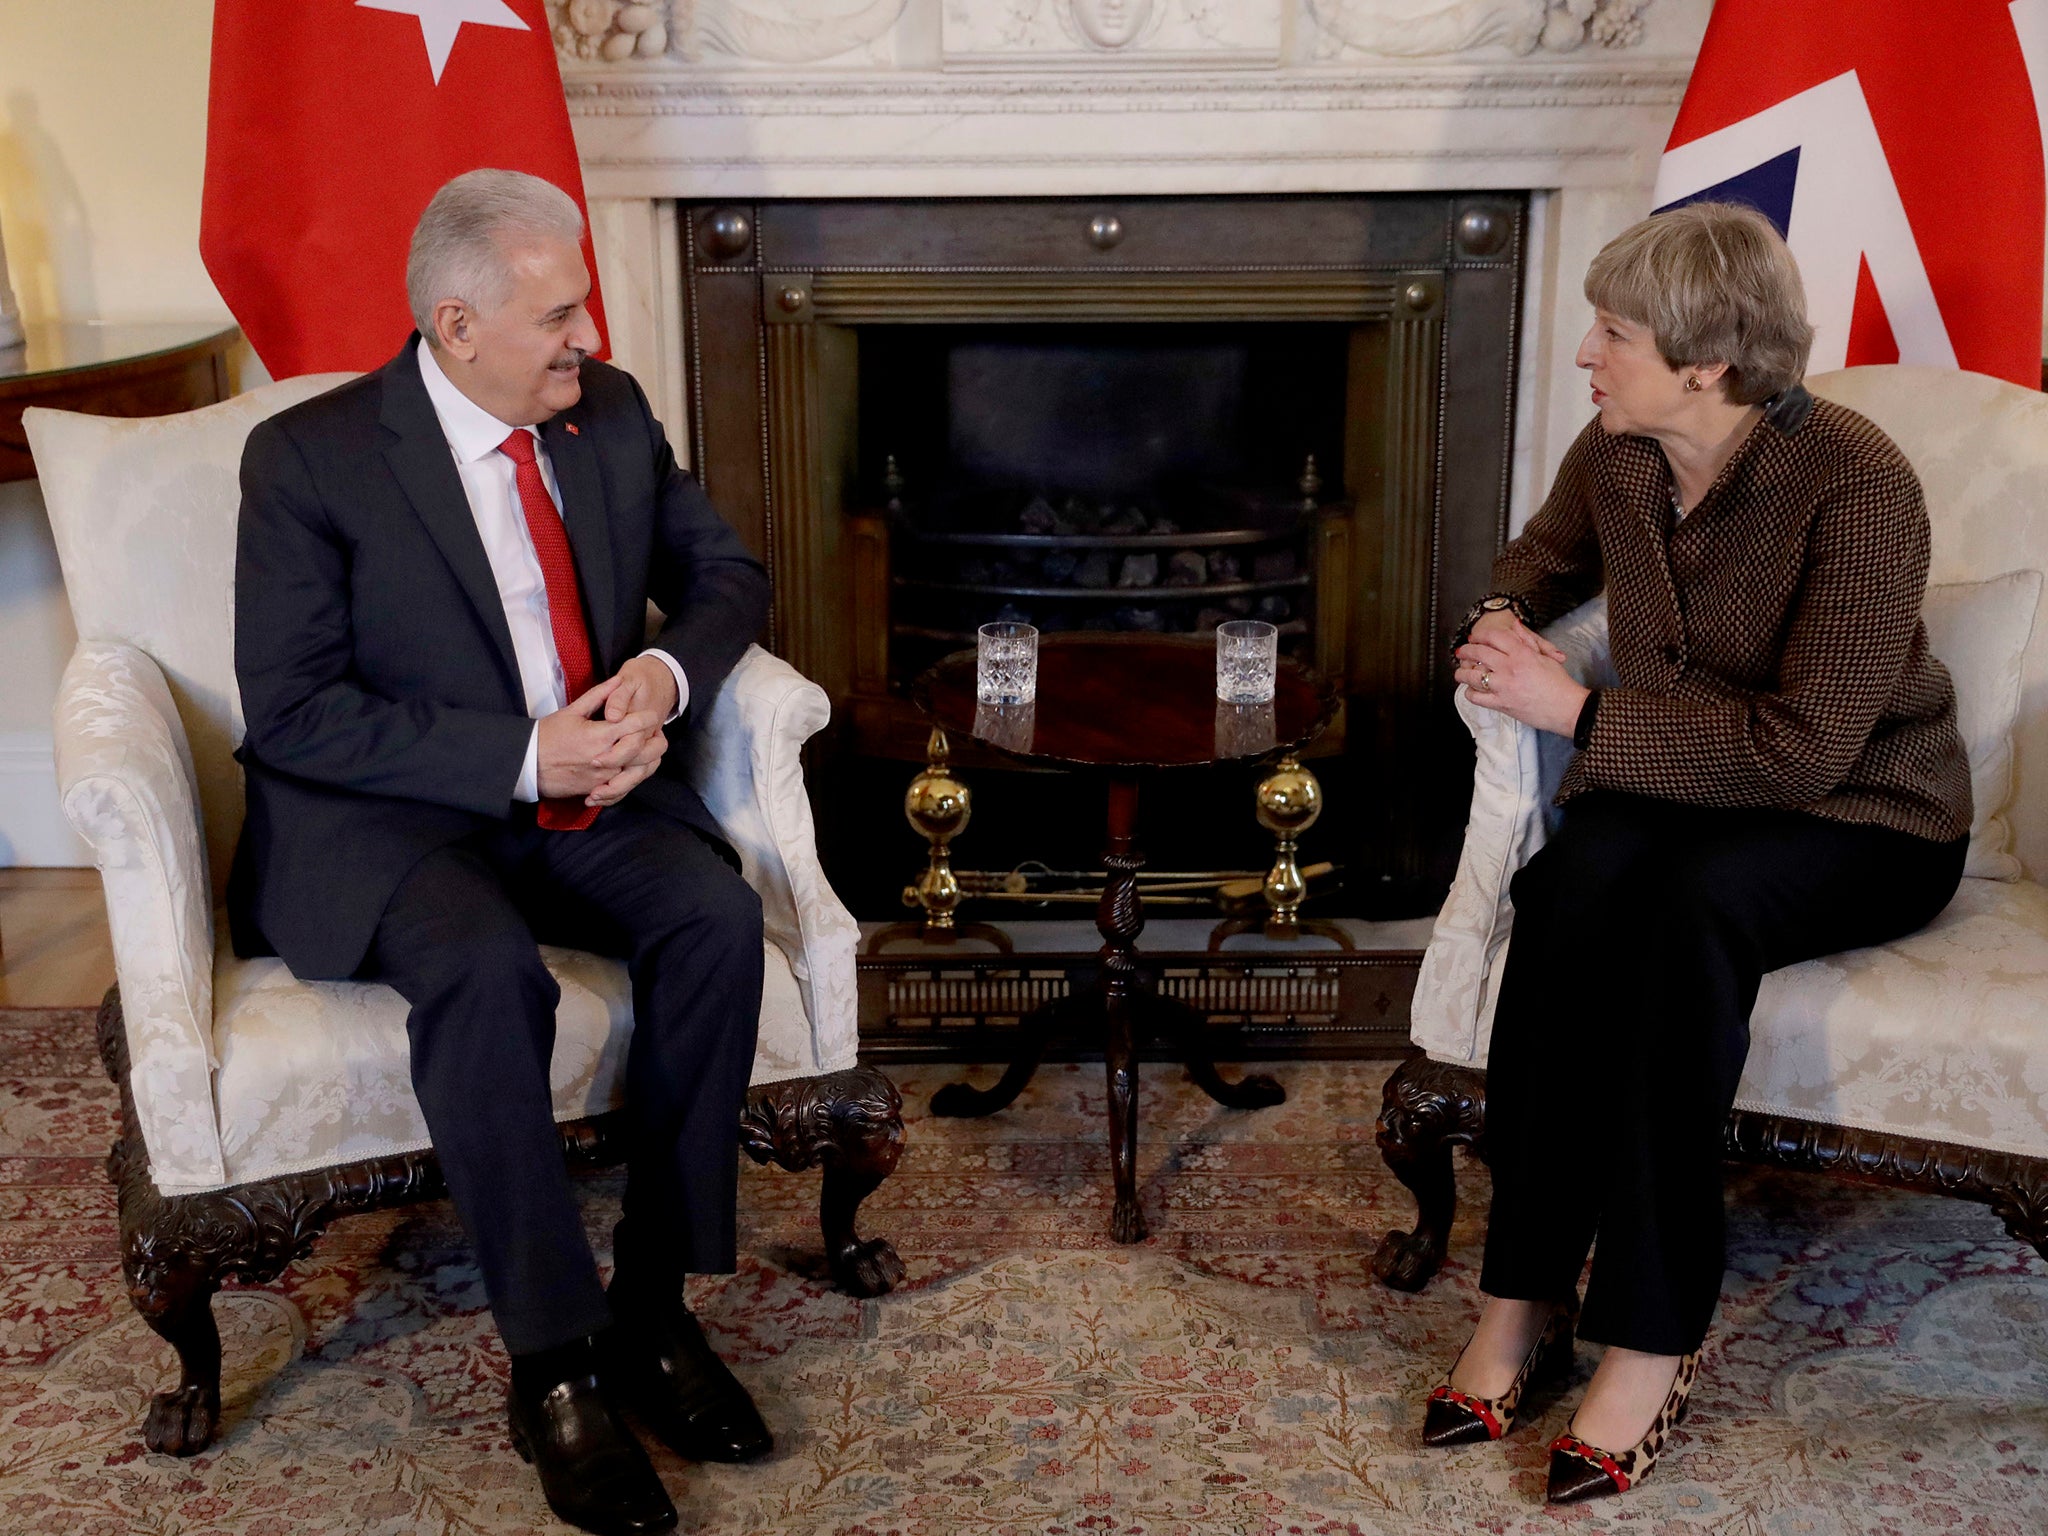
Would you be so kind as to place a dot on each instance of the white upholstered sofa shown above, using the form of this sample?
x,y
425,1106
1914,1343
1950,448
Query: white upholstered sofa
x,y
1922,1062
257,1107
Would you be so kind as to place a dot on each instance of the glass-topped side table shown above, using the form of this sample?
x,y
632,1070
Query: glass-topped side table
x,y
142,369
1123,707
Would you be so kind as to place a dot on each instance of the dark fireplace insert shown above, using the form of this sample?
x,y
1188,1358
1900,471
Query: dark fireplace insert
x,y
1140,414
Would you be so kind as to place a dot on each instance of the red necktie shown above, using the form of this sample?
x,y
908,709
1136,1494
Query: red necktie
x,y
565,606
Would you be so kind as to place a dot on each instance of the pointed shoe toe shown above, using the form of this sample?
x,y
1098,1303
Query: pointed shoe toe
x,y
1451,1417
1581,1470
1446,1422
1573,1478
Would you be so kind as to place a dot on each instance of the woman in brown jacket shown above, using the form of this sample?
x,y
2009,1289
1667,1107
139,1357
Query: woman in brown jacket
x,y
1776,775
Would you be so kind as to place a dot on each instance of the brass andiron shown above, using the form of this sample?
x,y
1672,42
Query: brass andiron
x,y
1287,802
938,806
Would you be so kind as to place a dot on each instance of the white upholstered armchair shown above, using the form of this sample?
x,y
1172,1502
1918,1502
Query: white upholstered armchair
x,y
1923,1062
257,1107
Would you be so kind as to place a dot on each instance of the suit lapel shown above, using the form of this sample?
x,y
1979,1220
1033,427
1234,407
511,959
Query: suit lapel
x,y
583,514
424,468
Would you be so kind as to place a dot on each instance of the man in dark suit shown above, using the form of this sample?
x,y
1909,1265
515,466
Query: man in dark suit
x,y
455,752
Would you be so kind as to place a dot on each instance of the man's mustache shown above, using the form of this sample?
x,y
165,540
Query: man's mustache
x,y
575,357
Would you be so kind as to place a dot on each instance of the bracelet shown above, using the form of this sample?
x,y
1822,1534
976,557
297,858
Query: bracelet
x,y
1493,602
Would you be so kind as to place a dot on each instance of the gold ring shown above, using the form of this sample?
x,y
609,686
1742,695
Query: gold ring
x,y
1486,682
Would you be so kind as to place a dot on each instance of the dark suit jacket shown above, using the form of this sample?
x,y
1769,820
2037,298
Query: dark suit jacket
x,y
385,716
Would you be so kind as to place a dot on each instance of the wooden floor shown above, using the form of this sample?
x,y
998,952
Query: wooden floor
x,y
54,949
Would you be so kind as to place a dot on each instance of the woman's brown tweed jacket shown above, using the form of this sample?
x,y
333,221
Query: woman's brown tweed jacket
x,y
1769,646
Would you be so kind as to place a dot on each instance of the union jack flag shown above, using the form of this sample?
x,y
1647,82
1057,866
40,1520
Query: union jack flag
x,y
1897,145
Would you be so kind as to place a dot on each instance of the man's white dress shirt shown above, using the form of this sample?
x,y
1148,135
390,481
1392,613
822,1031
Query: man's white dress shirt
x,y
488,480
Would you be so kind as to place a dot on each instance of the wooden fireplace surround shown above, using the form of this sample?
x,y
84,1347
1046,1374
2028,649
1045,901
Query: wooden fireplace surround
x,y
777,293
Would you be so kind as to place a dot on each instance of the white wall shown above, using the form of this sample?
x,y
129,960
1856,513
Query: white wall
x,y
102,145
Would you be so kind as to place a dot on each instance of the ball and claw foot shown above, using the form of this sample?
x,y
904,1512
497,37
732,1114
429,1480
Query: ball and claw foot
x,y
1126,1222
182,1422
960,1101
867,1267
1406,1260
1258,1092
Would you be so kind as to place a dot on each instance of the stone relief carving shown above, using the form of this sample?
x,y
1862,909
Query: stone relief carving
x,y
763,32
1110,23
792,31
1434,28
612,30
984,32
1078,31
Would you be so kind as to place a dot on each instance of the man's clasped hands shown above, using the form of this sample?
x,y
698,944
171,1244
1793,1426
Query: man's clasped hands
x,y
597,748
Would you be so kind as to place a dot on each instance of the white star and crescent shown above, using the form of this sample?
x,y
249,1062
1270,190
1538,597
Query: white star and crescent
x,y
441,20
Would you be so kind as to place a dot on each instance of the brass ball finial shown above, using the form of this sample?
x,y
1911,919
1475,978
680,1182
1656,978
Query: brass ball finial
x,y
938,807
1289,800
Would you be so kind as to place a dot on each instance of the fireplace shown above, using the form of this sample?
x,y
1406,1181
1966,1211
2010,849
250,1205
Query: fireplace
x,y
1139,414
1160,478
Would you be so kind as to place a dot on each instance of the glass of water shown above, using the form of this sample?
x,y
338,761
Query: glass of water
x,y
1247,654
1006,664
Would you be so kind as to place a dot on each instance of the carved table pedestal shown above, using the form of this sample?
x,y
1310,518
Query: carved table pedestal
x,y
1123,707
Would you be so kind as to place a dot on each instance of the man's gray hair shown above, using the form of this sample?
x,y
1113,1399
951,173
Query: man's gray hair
x,y
1715,284
458,246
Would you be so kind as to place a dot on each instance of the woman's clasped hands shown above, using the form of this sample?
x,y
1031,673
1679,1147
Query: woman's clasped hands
x,y
1506,665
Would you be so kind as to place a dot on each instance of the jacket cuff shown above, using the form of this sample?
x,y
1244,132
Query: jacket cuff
x,y
528,787
1582,733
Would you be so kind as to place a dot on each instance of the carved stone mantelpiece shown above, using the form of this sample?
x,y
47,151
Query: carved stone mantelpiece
x,y
752,100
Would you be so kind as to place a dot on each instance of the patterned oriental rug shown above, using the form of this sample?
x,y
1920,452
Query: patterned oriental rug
x,y
1881,1364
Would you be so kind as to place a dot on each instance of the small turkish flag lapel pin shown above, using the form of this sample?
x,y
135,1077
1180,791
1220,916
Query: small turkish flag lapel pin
x,y
572,429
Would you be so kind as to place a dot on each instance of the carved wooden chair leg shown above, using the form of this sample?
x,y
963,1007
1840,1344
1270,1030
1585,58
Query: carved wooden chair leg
x,y
2023,1206
170,1281
1427,1107
176,1300
852,1123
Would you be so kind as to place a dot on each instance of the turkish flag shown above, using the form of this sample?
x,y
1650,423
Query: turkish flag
x,y
1898,147
330,125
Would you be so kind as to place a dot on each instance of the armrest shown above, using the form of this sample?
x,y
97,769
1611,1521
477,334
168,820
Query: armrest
x,y
1514,777
746,761
124,772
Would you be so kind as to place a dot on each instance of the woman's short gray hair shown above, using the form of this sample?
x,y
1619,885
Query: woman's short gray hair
x,y
458,246
1715,284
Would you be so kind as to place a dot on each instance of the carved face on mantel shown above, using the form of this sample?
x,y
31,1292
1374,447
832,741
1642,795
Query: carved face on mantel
x,y
1111,23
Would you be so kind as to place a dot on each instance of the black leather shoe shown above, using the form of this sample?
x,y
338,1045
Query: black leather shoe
x,y
660,1364
595,1475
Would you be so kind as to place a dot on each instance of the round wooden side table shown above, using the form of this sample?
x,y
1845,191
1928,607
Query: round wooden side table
x,y
152,369
1123,707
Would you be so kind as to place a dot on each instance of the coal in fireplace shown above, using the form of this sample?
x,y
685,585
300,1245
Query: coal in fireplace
x,y
1138,414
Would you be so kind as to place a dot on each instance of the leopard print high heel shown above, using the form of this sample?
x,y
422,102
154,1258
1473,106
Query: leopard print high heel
x,y
1581,1470
1451,1417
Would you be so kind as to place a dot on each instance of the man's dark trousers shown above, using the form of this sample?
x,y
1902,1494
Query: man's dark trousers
x,y
460,940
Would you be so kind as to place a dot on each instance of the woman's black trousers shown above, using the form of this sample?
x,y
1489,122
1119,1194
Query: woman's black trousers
x,y
1642,930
